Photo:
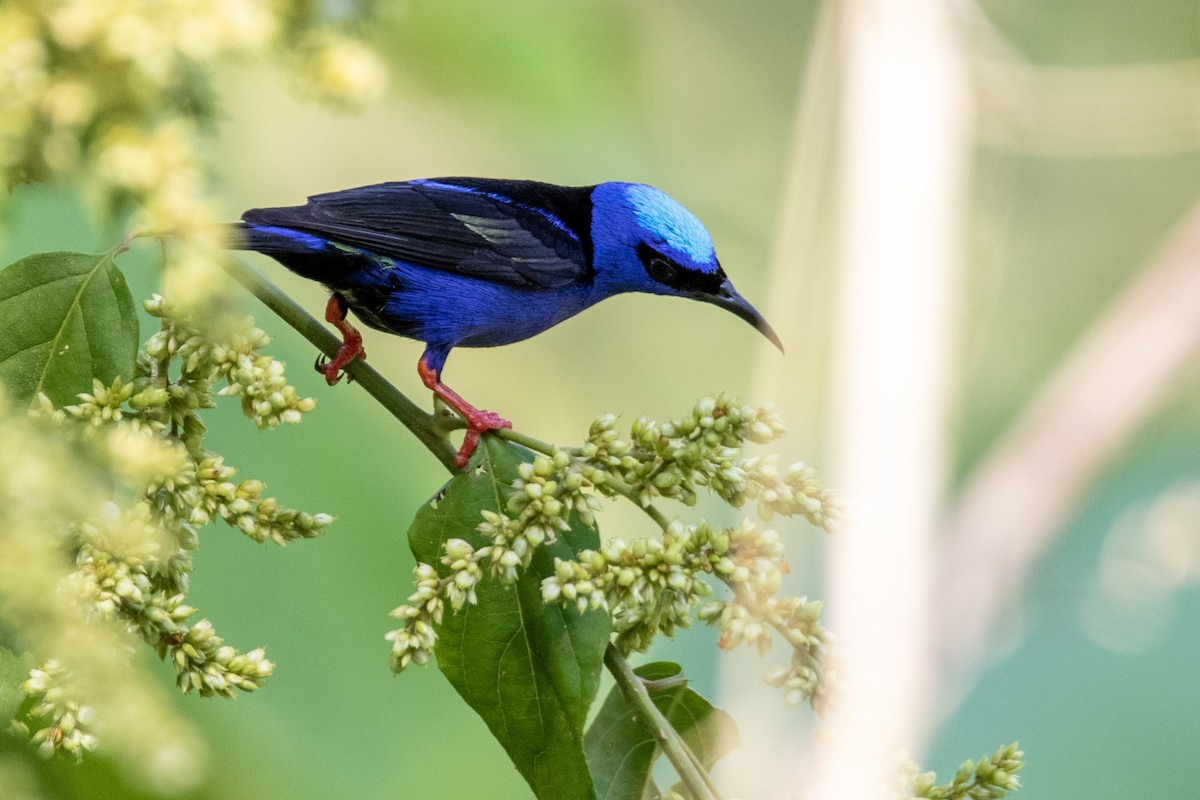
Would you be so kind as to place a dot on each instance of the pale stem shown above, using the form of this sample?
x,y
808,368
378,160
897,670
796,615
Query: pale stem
x,y
1118,374
903,159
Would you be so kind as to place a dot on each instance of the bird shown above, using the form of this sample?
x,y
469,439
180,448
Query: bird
x,y
482,262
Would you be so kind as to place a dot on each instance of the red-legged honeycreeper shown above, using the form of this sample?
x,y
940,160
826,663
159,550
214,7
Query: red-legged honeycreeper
x,y
478,262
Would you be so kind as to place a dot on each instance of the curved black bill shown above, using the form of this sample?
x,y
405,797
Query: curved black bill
x,y
728,298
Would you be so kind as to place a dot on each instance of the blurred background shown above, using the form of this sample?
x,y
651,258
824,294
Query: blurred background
x,y
1080,159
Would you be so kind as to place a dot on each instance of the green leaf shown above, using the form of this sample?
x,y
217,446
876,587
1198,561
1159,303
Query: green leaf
x,y
65,318
621,747
529,669
14,670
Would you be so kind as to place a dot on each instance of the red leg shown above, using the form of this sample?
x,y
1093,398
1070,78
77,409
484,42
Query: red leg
x,y
335,312
477,421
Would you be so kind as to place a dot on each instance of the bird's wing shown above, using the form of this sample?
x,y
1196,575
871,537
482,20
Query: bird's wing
x,y
516,232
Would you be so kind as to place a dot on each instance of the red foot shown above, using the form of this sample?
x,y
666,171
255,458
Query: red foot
x,y
478,421
335,312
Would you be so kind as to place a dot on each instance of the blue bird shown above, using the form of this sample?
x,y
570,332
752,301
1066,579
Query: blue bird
x,y
476,262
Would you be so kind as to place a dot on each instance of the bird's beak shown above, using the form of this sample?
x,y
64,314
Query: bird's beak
x,y
728,298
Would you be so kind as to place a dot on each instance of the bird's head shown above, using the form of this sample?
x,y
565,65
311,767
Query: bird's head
x,y
643,241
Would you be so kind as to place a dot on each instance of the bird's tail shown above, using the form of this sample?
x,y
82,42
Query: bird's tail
x,y
300,252
267,240
237,235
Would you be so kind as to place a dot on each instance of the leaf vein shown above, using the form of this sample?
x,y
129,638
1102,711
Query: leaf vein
x,y
75,307
27,349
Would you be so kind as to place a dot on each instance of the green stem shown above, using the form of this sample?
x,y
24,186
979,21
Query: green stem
x,y
525,440
425,427
422,424
691,772
626,491
652,512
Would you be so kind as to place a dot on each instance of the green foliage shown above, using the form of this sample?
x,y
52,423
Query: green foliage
x,y
71,319
537,604
529,669
101,505
14,668
621,745
994,776
98,777
525,508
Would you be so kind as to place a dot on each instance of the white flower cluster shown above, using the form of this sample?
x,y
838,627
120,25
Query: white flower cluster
x,y
992,777
242,506
810,674
267,398
673,459
68,728
544,496
413,643
547,492
106,404
651,586
797,492
87,686
130,565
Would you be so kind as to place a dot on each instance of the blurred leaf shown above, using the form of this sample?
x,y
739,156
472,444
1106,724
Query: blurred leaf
x,y
530,670
14,670
621,748
97,777
65,318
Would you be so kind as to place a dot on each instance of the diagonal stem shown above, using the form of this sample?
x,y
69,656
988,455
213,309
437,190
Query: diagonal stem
x,y
422,424
676,750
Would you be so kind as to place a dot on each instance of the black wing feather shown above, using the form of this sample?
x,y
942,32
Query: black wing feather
x,y
516,232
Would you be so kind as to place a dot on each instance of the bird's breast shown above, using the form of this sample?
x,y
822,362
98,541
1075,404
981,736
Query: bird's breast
x,y
449,310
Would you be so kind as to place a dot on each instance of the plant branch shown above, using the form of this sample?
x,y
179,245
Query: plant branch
x,y
691,772
422,424
525,440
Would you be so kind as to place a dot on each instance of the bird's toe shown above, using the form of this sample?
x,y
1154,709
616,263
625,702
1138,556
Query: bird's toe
x,y
328,369
478,423
492,421
333,374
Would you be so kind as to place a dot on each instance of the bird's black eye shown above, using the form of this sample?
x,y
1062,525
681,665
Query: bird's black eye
x,y
658,266
681,278
662,270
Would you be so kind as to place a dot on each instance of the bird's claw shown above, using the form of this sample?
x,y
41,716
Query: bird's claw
x,y
478,423
487,421
335,312
332,376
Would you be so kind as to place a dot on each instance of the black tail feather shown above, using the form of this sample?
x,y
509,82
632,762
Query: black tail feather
x,y
303,253
237,235
271,240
